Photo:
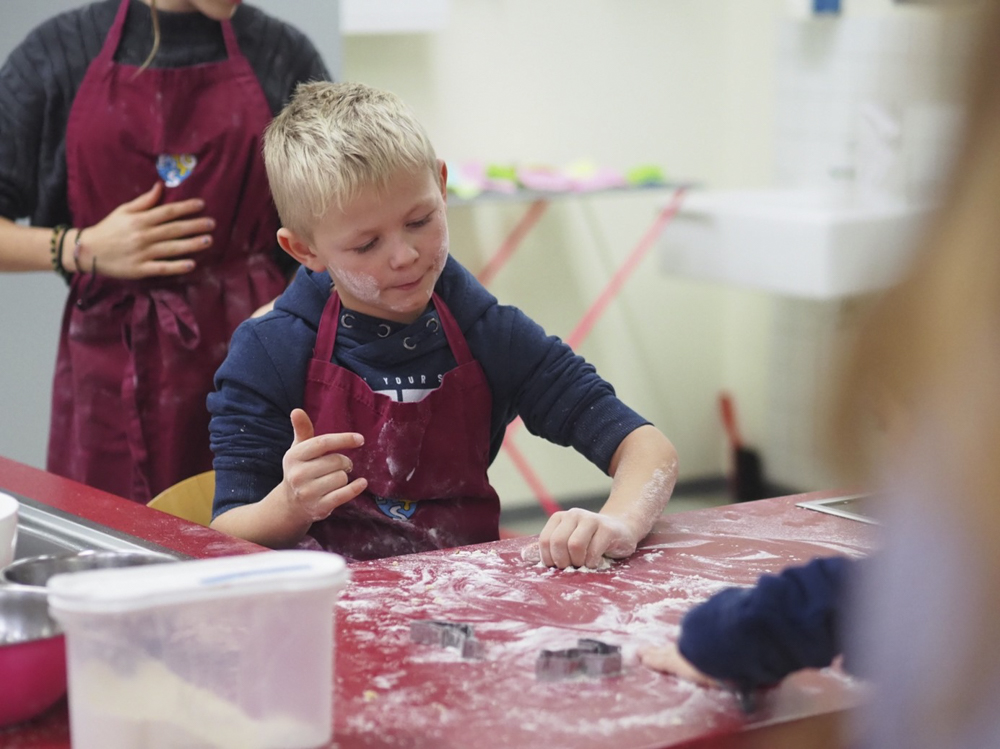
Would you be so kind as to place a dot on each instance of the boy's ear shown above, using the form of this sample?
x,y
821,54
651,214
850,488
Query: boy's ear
x,y
299,249
444,179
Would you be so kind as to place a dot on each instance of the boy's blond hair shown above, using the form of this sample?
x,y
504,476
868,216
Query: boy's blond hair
x,y
334,139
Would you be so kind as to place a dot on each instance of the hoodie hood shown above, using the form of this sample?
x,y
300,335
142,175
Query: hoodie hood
x,y
468,299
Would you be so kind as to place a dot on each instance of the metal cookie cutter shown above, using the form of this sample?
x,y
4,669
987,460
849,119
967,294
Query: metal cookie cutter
x,y
447,635
590,657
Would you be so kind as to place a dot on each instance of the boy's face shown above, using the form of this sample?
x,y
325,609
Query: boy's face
x,y
385,249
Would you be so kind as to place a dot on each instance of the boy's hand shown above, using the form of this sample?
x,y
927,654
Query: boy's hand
x,y
669,660
316,480
579,538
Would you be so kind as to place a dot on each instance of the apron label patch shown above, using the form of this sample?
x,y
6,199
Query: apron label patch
x,y
174,168
398,509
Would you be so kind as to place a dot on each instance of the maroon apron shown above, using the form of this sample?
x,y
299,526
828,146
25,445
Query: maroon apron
x,y
425,461
136,358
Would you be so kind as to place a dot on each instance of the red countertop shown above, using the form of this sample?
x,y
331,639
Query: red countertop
x,y
119,514
390,692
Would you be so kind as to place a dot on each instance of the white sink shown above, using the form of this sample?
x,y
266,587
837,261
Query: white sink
x,y
806,244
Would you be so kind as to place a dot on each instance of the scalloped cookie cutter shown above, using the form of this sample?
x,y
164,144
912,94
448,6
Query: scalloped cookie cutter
x,y
447,635
591,658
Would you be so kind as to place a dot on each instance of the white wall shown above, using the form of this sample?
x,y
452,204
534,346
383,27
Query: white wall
x,y
868,106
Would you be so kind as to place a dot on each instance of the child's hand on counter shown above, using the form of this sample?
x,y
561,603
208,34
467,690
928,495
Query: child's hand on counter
x,y
581,538
668,659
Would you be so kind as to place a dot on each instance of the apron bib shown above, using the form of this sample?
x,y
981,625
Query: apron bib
x,y
425,461
136,358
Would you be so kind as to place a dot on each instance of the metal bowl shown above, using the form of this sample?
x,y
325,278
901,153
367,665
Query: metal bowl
x,y
36,571
32,655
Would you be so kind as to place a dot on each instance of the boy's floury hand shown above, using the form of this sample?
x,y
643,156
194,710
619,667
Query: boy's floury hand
x,y
316,475
580,538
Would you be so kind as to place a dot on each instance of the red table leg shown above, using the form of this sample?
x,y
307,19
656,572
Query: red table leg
x,y
545,499
514,239
632,262
587,322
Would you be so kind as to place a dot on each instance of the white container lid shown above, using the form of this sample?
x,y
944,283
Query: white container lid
x,y
110,591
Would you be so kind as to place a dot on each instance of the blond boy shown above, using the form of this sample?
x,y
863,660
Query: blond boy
x,y
362,413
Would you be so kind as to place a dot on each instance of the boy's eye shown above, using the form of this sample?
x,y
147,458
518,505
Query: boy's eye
x,y
420,222
365,248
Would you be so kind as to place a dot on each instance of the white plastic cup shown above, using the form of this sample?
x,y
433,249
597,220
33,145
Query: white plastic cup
x,y
8,528
230,652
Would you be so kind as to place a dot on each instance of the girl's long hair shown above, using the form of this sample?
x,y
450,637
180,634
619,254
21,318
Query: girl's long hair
x,y
156,37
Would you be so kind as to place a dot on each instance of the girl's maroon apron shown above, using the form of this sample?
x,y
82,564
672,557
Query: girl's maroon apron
x,y
136,358
425,461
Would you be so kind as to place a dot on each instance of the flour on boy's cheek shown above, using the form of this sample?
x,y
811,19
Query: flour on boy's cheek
x,y
441,258
359,285
366,288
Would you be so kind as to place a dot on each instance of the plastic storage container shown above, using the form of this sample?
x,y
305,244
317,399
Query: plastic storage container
x,y
233,652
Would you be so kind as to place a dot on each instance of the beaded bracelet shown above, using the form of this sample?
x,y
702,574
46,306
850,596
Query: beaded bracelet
x,y
55,249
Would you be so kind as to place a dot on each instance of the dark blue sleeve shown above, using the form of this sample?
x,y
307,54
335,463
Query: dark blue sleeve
x,y
536,376
259,383
559,395
757,636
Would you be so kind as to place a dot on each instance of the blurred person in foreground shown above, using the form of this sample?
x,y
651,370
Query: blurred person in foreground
x,y
928,365
917,418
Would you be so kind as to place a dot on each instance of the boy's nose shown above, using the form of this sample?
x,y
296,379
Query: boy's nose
x,y
403,254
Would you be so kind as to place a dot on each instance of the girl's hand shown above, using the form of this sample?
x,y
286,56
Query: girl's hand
x,y
580,538
140,238
316,480
669,660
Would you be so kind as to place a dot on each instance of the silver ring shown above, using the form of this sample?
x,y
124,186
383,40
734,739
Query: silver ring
x,y
344,320
433,324
383,327
409,344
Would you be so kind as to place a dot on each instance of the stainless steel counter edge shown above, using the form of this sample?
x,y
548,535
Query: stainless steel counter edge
x,y
48,530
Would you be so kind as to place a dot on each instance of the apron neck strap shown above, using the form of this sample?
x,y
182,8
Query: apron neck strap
x,y
114,33
229,36
326,336
459,346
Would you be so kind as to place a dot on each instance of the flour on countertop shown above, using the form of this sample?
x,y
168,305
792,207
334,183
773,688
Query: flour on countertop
x,y
518,609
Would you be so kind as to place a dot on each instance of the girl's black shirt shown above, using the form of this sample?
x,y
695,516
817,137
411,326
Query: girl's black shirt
x,y
39,81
